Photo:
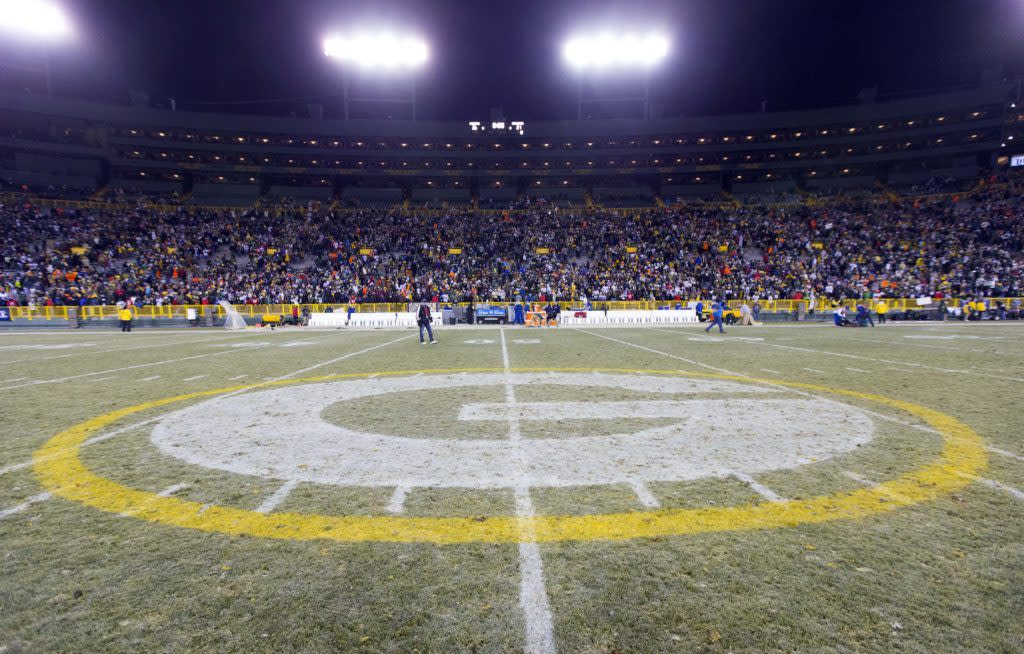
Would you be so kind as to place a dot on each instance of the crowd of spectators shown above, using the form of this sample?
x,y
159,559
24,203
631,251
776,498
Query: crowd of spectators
x,y
969,246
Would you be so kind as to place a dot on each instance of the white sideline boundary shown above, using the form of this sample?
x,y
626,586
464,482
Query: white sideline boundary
x,y
278,496
533,595
18,508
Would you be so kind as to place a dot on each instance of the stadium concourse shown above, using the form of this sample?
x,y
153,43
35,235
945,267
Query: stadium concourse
x,y
968,246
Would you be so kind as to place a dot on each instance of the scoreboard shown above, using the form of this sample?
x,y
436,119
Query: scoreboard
x,y
499,127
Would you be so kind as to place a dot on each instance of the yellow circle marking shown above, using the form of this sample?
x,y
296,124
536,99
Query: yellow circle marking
x,y
61,471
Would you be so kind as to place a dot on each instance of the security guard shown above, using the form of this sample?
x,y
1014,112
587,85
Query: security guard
x,y
125,316
881,308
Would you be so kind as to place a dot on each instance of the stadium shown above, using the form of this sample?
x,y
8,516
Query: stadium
x,y
611,371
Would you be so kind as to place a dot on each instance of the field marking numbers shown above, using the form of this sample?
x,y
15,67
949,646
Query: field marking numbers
x,y
760,488
773,372
533,595
479,341
236,378
18,508
821,372
526,341
278,496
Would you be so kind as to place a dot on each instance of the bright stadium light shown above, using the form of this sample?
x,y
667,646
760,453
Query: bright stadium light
x,y
608,51
36,19
378,51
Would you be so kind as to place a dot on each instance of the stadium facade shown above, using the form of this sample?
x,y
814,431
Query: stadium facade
x,y
232,160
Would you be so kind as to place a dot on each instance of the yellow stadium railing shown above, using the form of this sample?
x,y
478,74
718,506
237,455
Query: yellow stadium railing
x,y
181,311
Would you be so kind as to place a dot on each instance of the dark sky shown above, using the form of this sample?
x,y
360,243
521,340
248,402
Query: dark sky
x,y
728,55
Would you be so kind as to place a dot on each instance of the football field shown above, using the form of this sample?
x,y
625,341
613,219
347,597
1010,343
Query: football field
x,y
796,488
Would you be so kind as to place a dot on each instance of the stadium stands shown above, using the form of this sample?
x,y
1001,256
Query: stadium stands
x,y
959,245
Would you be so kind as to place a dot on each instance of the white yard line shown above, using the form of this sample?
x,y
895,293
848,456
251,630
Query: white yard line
x,y
102,437
1005,453
771,372
860,480
909,342
126,349
343,357
533,596
193,378
397,502
664,354
760,488
279,496
910,364
992,483
863,481
18,508
122,369
820,372
171,490
644,494
856,370
150,378
236,378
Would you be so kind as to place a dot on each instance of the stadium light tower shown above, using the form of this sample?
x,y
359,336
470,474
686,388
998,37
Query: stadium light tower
x,y
605,53
381,53
38,21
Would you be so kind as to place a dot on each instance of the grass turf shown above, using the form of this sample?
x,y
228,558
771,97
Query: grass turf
x,y
942,576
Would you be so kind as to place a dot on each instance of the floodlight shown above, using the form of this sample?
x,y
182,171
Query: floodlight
x,y
39,19
605,51
380,50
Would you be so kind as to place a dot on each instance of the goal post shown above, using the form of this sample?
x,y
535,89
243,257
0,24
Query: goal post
x,y
233,319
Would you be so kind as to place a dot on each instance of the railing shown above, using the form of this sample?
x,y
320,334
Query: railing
x,y
92,312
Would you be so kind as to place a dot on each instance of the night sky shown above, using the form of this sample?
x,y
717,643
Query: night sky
x,y
728,55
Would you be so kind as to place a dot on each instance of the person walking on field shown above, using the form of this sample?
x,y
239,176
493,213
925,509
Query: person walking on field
x,y
716,318
423,320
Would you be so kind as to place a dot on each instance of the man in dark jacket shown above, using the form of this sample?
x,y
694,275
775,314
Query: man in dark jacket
x,y
423,320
